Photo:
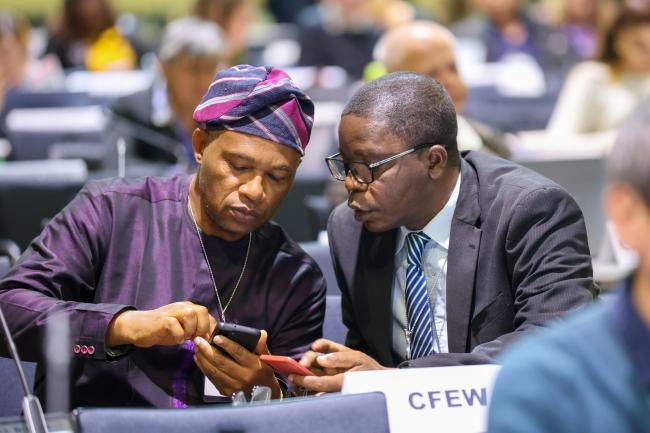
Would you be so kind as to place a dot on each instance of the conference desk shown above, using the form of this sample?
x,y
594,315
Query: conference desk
x,y
56,423
336,413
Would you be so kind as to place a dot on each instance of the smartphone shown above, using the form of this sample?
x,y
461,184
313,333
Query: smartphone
x,y
285,365
243,335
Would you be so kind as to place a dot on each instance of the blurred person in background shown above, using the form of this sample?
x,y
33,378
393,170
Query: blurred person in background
x,y
506,29
338,32
286,11
599,95
393,13
592,373
234,18
443,11
582,22
17,69
428,48
86,38
158,120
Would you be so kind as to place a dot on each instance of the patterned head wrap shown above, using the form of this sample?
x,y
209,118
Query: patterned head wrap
x,y
261,101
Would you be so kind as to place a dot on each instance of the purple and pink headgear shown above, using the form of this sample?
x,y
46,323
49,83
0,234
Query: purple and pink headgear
x,y
261,101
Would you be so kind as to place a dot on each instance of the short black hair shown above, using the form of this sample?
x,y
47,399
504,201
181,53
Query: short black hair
x,y
629,160
415,108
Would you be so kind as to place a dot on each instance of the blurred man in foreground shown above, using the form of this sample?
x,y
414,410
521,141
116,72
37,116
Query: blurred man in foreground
x,y
592,373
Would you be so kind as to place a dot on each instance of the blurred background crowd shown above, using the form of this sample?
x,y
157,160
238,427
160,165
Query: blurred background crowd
x,y
98,88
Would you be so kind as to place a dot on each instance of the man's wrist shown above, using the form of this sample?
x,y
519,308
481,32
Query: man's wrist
x,y
117,351
115,334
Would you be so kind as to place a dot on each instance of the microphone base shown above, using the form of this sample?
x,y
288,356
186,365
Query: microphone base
x,y
33,413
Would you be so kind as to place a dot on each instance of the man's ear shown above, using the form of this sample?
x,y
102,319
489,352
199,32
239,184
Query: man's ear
x,y
437,158
625,210
200,139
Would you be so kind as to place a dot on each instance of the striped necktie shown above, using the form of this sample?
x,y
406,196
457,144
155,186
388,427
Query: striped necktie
x,y
420,320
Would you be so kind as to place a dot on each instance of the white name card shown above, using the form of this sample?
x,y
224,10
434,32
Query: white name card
x,y
440,399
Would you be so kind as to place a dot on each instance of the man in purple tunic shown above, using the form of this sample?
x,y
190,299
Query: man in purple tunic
x,y
143,268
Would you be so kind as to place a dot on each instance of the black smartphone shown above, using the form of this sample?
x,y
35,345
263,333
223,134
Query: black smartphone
x,y
243,335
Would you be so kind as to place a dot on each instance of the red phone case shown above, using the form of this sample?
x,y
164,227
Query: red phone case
x,y
285,365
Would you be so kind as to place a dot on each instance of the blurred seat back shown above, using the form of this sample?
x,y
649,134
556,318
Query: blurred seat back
x,y
32,192
33,131
333,327
321,254
5,265
358,413
21,99
584,179
11,391
293,215
318,210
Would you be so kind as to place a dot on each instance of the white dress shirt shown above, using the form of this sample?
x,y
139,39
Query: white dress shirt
x,y
434,260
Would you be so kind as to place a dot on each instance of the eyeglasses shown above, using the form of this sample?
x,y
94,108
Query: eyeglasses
x,y
361,171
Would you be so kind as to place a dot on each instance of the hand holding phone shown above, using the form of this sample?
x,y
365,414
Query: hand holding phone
x,y
243,335
285,365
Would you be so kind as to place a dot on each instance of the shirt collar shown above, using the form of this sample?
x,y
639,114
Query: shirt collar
x,y
634,332
439,227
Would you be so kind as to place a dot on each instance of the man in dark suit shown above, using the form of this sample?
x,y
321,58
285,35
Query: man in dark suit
x,y
442,258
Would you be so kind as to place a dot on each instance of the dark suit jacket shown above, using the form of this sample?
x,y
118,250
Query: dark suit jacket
x,y
518,257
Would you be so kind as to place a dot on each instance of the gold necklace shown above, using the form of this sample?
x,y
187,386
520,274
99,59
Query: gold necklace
x,y
207,262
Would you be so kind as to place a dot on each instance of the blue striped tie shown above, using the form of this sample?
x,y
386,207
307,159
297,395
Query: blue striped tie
x,y
420,320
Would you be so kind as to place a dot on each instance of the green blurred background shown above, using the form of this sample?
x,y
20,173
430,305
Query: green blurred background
x,y
39,9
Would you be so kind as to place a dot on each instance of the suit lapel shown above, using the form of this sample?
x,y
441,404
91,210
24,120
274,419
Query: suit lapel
x,y
464,243
378,261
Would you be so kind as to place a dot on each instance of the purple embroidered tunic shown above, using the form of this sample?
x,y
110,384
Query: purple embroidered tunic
x,y
131,243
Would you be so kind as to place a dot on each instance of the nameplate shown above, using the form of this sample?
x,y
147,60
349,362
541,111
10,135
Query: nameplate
x,y
440,399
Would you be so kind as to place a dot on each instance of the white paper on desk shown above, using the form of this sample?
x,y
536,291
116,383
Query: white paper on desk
x,y
91,118
547,146
112,84
209,390
440,399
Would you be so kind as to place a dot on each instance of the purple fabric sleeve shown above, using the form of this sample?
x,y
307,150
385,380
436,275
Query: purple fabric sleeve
x,y
58,269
